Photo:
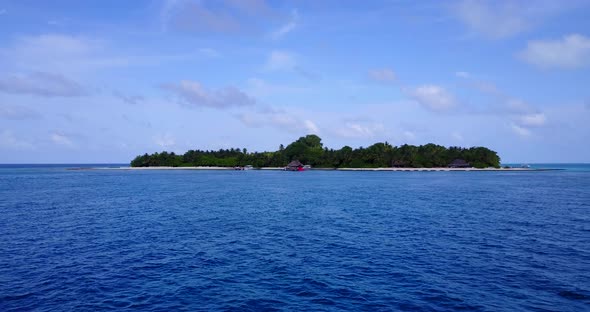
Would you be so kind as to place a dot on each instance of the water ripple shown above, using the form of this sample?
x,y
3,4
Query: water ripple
x,y
267,241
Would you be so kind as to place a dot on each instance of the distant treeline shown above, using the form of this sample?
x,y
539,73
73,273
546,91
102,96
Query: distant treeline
x,y
309,150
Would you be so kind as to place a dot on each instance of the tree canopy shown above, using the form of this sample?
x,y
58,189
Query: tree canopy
x,y
310,150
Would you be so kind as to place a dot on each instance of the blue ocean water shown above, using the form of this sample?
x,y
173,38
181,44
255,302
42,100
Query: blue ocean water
x,y
562,166
316,240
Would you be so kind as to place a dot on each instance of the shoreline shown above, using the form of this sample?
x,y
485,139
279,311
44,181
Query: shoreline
x,y
439,169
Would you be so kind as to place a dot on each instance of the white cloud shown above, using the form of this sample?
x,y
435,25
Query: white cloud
x,y
280,60
286,61
61,53
533,120
519,110
434,98
195,17
310,126
76,55
457,136
194,94
462,74
506,18
41,84
521,131
571,51
10,142
523,123
409,135
167,12
164,140
382,75
250,7
287,28
360,130
53,48
514,105
487,87
492,19
61,139
288,122
279,119
522,115
229,16
17,112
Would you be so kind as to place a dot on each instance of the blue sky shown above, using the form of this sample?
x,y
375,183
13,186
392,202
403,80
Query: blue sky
x,y
104,81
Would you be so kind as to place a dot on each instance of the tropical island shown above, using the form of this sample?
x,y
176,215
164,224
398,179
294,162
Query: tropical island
x,y
309,150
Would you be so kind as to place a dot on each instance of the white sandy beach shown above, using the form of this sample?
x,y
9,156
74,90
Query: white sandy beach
x,y
328,169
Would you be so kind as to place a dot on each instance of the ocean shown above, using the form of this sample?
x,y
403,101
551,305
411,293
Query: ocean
x,y
85,240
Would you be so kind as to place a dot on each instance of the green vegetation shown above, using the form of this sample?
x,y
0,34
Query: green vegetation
x,y
310,150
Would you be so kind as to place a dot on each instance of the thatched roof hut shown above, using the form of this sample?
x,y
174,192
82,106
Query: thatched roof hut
x,y
459,163
295,165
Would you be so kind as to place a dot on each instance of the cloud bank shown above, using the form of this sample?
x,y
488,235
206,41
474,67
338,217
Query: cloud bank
x,y
432,97
571,51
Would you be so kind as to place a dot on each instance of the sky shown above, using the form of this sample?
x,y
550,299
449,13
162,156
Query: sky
x,y
102,81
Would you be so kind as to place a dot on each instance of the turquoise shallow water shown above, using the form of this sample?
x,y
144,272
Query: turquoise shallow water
x,y
316,240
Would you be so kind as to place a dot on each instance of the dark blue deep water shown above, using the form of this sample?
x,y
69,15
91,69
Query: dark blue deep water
x,y
255,240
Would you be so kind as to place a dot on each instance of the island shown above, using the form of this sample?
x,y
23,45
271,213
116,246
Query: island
x,y
309,150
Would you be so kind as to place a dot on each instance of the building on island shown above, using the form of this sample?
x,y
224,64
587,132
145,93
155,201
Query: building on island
x,y
295,165
459,163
